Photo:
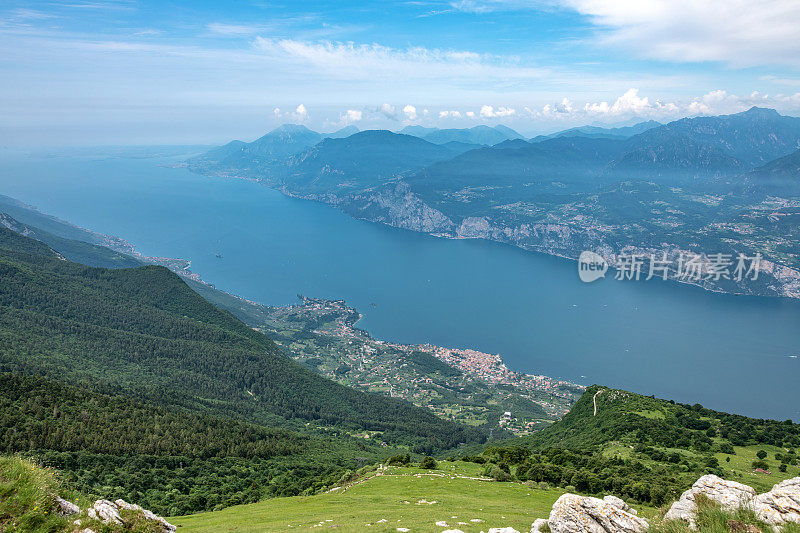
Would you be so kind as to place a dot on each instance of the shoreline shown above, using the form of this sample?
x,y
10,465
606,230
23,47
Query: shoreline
x,y
554,395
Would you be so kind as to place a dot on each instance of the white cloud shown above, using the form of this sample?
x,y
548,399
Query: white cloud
x,y
388,111
739,32
300,114
354,61
488,111
410,112
470,114
631,104
450,113
352,115
239,30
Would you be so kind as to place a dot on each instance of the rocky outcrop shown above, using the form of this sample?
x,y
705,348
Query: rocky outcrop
x,y
619,503
149,515
106,512
538,525
729,495
66,508
781,505
581,514
109,513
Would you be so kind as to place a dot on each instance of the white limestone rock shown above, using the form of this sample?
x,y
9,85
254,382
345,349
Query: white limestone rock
x,y
781,505
619,503
107,512
537,525
729,495
66,508
149,515
581,514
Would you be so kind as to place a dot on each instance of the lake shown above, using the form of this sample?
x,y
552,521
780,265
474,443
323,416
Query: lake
x,y
732,353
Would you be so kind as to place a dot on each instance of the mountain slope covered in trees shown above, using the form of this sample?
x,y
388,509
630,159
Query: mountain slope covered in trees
x,y
645,449
145,333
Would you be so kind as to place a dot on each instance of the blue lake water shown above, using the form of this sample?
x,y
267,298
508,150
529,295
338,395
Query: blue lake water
x,y
678,342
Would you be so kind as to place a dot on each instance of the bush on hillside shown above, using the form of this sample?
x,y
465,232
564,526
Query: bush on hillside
x,y
404,459
429,463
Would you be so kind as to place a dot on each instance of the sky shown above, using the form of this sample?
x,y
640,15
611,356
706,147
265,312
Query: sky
x,y
85,72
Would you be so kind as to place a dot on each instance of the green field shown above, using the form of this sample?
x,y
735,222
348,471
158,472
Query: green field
x,y
739,468
397,497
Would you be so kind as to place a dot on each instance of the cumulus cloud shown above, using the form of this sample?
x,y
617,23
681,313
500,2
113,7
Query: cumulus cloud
x,y
388,111
632,104
488,111
300,113
352,115
410,112
450,113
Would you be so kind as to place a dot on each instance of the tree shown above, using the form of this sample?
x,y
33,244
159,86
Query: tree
x,y
761,454
429,463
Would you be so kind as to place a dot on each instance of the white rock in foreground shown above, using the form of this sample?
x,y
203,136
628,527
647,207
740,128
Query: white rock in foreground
x,y
781,505
150,515
581,514
503,530
66,508
619,503
106,511
536,527
729,495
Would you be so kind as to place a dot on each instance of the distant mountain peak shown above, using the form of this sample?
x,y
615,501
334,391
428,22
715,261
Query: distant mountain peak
x,y
760,112
291,128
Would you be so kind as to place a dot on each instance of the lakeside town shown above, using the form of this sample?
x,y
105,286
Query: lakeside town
x,y
463,385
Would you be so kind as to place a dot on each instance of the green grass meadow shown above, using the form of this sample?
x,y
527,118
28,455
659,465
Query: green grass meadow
x,y
396,499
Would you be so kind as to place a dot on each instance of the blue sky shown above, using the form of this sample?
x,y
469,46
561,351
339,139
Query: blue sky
x,y
131,71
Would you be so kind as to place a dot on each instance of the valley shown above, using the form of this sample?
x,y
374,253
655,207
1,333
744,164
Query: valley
x,y
529,308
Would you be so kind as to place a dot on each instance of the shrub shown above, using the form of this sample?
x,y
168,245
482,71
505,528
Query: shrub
x,y
495,472
429,463
403,459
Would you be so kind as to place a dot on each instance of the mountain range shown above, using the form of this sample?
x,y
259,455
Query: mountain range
x,y
563,193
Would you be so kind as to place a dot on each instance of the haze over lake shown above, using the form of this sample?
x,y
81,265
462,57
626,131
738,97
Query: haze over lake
x,y
727,352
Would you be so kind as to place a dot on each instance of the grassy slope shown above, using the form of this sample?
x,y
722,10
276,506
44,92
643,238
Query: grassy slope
x,y
384,498
28,504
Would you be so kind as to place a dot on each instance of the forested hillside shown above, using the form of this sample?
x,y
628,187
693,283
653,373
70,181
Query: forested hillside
x,y
145,333
645,449
175,462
